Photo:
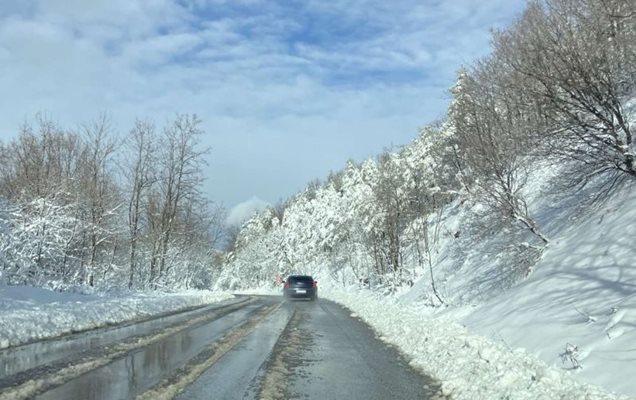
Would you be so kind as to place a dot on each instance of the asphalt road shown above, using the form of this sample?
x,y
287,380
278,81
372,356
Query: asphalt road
x,y
257,347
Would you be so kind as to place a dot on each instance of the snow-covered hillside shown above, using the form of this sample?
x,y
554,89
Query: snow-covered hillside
x,y
580,297
535,320
576,310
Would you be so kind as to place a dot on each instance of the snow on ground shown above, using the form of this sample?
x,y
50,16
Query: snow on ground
x,y
582,294
570,323
469,366
28,313
576,310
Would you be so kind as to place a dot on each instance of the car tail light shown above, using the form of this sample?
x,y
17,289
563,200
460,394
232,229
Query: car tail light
x,y
286,284
315,284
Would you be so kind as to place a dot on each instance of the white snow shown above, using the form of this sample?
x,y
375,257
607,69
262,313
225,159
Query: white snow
x,y
29,313
468,366
518,322
575,309
583,292
571,323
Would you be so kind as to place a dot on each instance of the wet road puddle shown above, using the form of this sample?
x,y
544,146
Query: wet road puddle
x,y
141,369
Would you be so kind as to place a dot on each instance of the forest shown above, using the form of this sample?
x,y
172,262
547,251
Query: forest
x,y
554,96
86,206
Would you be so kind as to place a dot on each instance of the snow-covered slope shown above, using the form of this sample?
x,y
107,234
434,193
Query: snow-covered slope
x,y
576,309
570,304
581,295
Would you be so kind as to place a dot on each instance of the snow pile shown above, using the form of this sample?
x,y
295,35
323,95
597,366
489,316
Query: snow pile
x,y
28,313
467,365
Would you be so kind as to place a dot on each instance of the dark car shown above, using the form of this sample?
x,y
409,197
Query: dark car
x,y
300,286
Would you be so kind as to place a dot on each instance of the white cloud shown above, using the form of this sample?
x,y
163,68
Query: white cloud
x,y
243,211
282,103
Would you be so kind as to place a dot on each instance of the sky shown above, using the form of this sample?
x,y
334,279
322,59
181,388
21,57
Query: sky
x,y
287,90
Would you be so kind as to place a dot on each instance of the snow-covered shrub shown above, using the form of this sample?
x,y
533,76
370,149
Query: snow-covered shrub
x,y
36,242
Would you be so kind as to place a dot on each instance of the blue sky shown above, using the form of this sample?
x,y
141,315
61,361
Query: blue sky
x,y
287,90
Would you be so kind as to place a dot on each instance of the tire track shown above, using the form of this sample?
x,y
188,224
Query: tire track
x,y
280,367
171,387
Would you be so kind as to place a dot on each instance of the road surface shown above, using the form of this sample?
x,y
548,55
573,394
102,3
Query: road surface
x,y
251,347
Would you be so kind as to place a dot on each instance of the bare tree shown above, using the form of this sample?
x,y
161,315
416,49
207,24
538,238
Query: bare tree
x,y
181,161
231,234
66,206
494,135
41,166
140,176
42,161
216,217
391,203
100,191
578,58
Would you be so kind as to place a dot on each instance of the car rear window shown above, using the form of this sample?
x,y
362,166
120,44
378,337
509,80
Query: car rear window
x,y
299,279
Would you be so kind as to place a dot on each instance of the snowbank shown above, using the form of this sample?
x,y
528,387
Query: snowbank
x,y
467,365
28,313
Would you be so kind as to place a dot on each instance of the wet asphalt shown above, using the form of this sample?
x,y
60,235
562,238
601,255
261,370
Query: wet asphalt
x,y
339,357
267,348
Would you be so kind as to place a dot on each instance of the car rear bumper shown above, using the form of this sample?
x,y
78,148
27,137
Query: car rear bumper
x,y
294,293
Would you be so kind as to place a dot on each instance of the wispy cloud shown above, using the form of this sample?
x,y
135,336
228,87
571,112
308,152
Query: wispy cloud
x,y
287,89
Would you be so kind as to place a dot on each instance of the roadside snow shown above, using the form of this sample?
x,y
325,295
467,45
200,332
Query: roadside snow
x,y
576,310
468,366
28,313
582,294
